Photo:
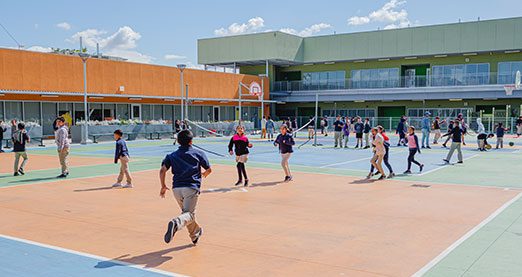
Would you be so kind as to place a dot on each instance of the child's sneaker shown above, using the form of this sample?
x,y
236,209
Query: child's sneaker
x,y
21,171
16,174
246,183
421,167
391,175
128,186
116,185
407,172
195,241
172,228
238,183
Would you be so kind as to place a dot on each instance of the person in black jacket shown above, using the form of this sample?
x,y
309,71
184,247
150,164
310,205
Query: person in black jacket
x,y
367,129
285,141
240,144
122,154
2,131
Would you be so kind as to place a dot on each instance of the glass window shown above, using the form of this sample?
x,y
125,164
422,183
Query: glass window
x,y
13,110
507,71
2,111
95,111
122,111
158,112
146,112
109,111
460,74
48,116
32,111
168,112
375,78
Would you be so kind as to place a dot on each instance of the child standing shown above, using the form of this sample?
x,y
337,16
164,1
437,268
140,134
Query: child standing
x,y
347,128
401,131
413,145
270,128
186,164
367,129
311,128
2,131
338,131
359,129
387,144
285,141
436,129
20,138
239,142
122,154
62,143
500,135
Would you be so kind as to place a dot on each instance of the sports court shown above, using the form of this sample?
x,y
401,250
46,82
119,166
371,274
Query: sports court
x,y
449,220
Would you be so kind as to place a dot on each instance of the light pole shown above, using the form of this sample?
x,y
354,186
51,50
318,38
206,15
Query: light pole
x,y
85,137
182,67
262,76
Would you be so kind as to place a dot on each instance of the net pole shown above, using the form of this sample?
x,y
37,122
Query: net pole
x,y
262,97
182,105
186,102
316,117
240,113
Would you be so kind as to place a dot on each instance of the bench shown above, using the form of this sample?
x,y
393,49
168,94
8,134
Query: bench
x,y
132,135
9,140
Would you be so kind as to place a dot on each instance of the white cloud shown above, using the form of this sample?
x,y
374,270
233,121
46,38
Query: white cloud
x,y
316,28
122,43
174,57
254,24
38,48
388,13
64,25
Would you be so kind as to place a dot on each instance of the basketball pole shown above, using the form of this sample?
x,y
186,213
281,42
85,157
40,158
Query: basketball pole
x,y
316,117
239,91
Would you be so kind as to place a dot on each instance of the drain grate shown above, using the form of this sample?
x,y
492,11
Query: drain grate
x,y
420,186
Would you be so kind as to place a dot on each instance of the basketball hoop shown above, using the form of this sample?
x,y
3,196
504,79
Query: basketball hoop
x,y
509,89
255,89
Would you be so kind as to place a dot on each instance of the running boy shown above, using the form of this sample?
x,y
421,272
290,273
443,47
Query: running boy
x,y
450,128
20,138
413,145
186,164
239,142
285,141
122,154
457,135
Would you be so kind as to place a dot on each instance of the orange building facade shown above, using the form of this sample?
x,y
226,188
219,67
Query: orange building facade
x,y
40,86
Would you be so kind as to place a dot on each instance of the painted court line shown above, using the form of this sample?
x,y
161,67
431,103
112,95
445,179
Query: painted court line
x,y
352,161
466,236
444,166
87,255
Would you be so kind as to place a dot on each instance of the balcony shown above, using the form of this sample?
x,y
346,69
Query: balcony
x,y
453,80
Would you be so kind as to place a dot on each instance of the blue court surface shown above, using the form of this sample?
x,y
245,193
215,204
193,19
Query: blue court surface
x,y
26,258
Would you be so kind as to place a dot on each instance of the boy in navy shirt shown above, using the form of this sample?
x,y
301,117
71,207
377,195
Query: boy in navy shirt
x,y
186,164
20,138
122,154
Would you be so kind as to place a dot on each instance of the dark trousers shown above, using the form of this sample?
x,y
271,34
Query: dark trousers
x,y
241,171
411,158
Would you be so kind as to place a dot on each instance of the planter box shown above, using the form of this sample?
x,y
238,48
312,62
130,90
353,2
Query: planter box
x,y
33,132
77,131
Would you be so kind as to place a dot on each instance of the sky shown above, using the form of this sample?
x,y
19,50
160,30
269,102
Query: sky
x,y
166,32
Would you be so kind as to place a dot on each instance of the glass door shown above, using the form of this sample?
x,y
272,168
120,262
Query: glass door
x,y
136,111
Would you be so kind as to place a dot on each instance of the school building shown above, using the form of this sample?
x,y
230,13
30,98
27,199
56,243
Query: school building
x,y
40,86
445,69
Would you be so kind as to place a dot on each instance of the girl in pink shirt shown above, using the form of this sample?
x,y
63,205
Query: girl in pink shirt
x,y
413,145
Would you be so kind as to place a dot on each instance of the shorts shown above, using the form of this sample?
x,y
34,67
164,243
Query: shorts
x,y
242,158
359,135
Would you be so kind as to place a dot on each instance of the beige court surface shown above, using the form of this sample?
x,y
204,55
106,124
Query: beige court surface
x,y
41,162
326,225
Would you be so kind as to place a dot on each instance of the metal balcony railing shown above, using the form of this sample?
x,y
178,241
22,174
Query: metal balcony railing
x,y
433,80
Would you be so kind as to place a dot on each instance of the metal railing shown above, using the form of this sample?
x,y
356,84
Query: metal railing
x,y
396,82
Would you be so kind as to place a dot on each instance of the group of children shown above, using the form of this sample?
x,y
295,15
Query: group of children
x,y
344,126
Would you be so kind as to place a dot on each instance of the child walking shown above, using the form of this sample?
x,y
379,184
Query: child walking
x,y
457,138
413,145
270,126
401,131
367,129
378,154
186,164
122,154
347,128
20,138
285,141
239,142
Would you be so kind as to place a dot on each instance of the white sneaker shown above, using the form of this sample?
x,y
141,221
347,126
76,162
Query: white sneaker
x,y
128,186
116,185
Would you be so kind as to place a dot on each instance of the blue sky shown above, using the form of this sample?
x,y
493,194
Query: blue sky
x,y
166,32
